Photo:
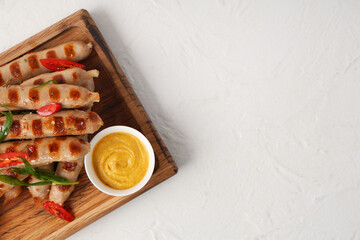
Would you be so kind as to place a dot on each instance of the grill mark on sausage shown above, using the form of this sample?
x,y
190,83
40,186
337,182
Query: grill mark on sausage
x,y
33,62
54,147
34,95
75,76
37,127
54,94
15,128
32,152
15,144
39,81
69,50
93,117
13,96
63,188
59,125
70,166
75,148
59,78
51,54
11,173
15,70
80,124
2,82
10,149
74,94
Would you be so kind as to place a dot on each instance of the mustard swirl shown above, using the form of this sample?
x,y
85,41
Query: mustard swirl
x,y
120,160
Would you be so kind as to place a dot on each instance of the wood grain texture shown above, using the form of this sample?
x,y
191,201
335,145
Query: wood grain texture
x,y
119,105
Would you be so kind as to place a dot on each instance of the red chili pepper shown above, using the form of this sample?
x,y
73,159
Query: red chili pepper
x,y
57,210
11,173
9,163
13,155
55,64
49,109
11,159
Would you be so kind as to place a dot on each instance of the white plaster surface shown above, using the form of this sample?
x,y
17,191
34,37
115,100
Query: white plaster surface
x,y
258,102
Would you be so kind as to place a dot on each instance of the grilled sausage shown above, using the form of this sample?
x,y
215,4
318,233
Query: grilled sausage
x,y
73,76
11,194
25,97
47,150
69,122
39,193
29,65
4,187
69,170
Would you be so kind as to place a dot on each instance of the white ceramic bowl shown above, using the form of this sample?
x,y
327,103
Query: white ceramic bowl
x,y
91,171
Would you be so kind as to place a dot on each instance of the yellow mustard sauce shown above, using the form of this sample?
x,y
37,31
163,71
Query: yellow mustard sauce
x,y
120,160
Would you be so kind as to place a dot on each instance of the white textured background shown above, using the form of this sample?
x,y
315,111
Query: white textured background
x,y
258,101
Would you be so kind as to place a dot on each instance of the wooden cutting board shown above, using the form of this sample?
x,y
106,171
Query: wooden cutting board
x,y
119,105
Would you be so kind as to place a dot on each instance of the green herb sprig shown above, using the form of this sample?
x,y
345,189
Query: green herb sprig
x,y
5,128
42,174
14,181
41,85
